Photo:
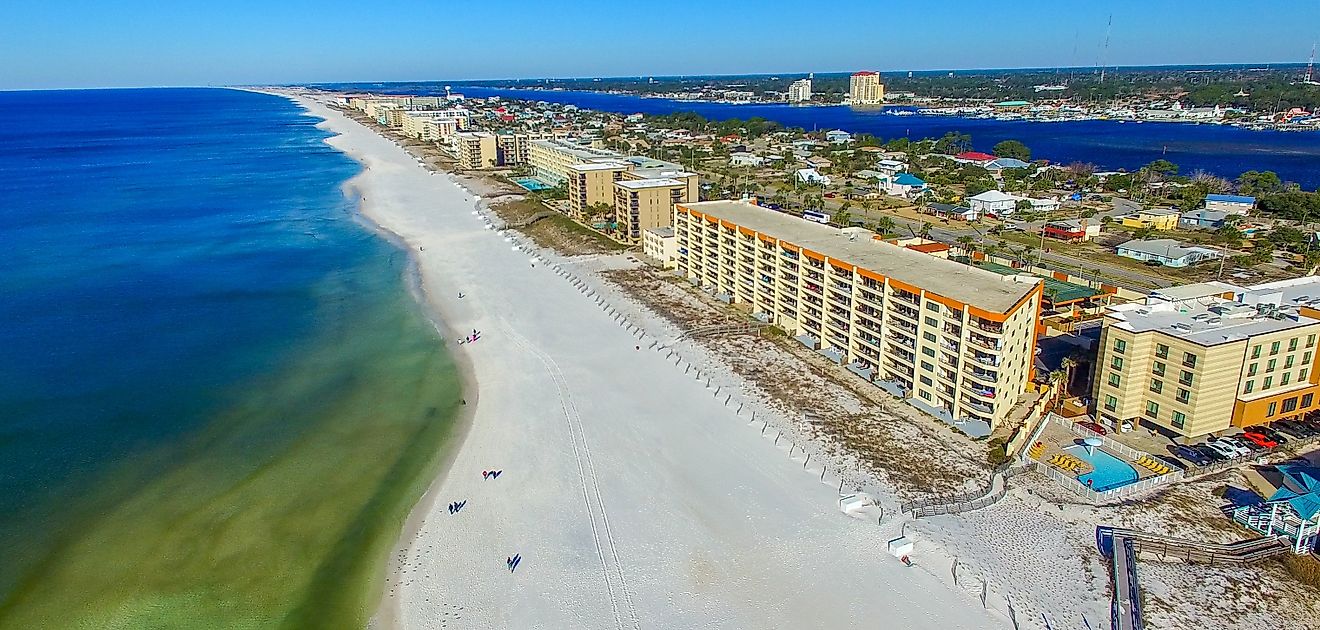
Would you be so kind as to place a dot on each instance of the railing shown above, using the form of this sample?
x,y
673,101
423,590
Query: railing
x,y
967,501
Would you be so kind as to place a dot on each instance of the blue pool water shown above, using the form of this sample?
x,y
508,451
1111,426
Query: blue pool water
x,y
1110,472
532,184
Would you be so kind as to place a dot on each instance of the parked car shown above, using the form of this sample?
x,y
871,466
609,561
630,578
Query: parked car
x,y
1213,453
1252,447
1259,439
1295,429
1093,427
1190,454
1226,448
1270,433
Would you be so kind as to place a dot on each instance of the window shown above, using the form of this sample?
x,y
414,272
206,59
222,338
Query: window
x,y
1156,385
1306,357
931,321
929,367
1158,369
1179,418
1269,367
1287,376
1310,341
928,351
1274,348
1152,409
933,306
1246,389
1301,374
1184,396
1288,362
1111,403
1269,380
925,394
1273,408
925,380
1114,380
1189,359
1185,378
1116,363
1292,344
1120,346
1290,404
1307,399
928,336
1255,352
1251,369
1161,351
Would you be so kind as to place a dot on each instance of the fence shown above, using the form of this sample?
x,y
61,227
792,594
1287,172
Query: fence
x,y
968,501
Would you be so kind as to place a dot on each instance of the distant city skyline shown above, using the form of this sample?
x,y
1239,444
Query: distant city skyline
x,y
78,43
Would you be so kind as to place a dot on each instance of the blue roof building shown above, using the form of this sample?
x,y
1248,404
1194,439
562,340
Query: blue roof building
x,y
1232,204
1292,503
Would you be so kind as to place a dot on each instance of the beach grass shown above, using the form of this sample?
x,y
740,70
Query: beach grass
x,y
281,513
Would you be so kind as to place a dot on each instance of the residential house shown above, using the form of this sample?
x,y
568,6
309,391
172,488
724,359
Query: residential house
x,y
1206,219
973,157
1166,251
818,162
811,176
905,185
890,168
1232,204
950,211
1157,218
994,203
838,136
1073,230
746,159
997,165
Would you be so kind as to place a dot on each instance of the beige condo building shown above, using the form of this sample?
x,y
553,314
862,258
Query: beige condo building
x,y
865,88
551,158
640,204
592,183
957,341
516,147
1202,358
476,149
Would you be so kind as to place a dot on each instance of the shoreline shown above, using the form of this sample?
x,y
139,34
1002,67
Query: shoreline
x,y
384,611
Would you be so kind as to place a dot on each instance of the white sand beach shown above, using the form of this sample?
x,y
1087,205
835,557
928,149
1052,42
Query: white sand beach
x,y
634,494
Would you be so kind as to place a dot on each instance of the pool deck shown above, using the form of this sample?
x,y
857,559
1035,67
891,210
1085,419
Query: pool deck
x,y
1057,438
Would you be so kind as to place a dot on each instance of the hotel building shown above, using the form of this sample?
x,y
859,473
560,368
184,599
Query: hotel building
x,y
592,183
640,204
551,158
958,342
516,148
1202,358
865,88
800,91
476,149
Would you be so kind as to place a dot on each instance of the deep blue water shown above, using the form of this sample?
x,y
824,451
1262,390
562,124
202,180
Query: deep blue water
x,y
1221,150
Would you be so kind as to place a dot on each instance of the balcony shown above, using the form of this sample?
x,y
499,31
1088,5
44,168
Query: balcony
x,y
984,359
978,405
868,296
952,330
989,377
907,327
988,326
902,341
910,298
984,342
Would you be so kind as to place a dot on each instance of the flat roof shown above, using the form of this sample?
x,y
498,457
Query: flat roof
x,y
599,166
663,182
977,287
662,232
1206,322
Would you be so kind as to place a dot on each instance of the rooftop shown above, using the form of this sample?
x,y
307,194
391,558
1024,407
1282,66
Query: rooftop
x,y
662,232
1166,247
983,289
1231,199
638,184
599,166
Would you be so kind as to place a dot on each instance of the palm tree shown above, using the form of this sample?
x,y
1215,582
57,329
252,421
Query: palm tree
x,y
968,244
925,230
885,224
1067,366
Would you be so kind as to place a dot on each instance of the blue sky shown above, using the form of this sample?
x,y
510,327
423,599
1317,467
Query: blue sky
x,y
181,42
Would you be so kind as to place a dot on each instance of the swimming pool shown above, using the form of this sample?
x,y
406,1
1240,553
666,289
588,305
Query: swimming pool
x,y
1110,472
532,183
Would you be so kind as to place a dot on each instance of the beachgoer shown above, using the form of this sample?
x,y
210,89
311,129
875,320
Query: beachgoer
x,y
637,347
485,474
463,400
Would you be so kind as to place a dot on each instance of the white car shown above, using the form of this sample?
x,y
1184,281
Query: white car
x,y
1228,448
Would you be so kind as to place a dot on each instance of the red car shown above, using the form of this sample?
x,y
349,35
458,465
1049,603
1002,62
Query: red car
x,y
1093,427
1259,439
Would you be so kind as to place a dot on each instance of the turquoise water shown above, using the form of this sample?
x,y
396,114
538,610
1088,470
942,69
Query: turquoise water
x,y
219,397
1110,472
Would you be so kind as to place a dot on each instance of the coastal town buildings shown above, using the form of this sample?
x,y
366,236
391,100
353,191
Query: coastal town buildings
x,y
515,148
660,246
551,158
800,91
1072,230
956,341
1156,218
640,204
1165,251
476,150
1202,358
592,183
1231,204
865,88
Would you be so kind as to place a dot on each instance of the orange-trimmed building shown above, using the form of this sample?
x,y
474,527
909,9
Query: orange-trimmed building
x,y
1204,358
956,341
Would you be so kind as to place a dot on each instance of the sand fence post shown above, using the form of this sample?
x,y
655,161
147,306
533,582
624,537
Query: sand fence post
x,y
777,435
740,406
804,462
727,399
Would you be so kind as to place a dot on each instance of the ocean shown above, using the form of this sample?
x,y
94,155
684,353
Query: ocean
x,y
1111,145
219,397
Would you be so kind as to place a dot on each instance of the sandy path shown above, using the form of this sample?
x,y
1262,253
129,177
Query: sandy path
x,y
635,497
